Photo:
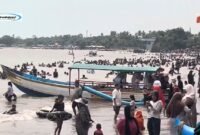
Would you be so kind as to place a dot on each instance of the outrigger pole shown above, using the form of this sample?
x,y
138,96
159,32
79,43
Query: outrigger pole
x,y
78,74
69,80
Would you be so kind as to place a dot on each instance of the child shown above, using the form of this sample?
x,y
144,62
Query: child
x,y
98,130
132,103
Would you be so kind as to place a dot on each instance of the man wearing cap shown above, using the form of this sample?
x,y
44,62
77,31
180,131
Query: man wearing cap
x,y
116,96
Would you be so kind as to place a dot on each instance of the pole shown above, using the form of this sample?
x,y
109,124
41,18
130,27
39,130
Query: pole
x,y
69,80
78,74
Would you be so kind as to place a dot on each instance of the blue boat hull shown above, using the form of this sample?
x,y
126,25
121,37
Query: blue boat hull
x,y
31,92
35,86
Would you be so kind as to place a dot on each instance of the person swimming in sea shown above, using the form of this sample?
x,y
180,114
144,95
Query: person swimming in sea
x,y
84,77
12,110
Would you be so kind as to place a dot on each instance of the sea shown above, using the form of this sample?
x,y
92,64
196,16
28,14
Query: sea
x,y
26,121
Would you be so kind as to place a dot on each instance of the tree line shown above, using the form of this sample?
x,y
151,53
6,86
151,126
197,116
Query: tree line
x,y
164,40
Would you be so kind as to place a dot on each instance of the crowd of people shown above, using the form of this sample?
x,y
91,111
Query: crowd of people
x,y
180,101
26,68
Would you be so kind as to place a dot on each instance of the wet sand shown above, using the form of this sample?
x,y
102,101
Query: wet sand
x,y
27,123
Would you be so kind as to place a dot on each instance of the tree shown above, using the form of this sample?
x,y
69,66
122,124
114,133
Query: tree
x,y
7,40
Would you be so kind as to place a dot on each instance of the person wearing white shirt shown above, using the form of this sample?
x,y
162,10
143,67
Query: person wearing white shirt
x,y
116,96
154,109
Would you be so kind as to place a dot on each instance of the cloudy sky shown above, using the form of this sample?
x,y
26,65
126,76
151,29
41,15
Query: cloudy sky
x,y
59,17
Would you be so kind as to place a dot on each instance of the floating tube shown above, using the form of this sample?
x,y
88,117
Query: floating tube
x,y
108,97
53,116
186,130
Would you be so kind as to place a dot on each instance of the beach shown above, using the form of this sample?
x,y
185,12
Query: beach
x,y
26,121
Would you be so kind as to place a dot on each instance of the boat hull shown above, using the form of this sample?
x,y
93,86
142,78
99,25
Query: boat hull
x,y
37,86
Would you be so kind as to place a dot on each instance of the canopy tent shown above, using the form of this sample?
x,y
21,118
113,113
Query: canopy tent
x,y
114,68
109,68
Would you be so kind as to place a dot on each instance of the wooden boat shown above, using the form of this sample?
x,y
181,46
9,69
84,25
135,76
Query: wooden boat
x,y
107,87
36,86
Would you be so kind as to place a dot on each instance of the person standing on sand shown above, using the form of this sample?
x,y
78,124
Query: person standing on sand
x,y
116,96
191,78
180,83
98,130
154,109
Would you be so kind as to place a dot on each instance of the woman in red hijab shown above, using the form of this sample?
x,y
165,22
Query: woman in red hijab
x,y
161,95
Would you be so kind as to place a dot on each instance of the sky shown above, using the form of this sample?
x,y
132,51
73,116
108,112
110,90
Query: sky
x,y
93,17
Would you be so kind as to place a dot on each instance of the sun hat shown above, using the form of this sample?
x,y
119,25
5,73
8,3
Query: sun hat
x,y
81,100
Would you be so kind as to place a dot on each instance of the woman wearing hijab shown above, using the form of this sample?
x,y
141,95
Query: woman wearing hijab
x,y
190,101
160,93
128,125
175,110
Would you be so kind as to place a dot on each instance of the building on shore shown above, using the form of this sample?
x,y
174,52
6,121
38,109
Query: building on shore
x,y
95,47
148,42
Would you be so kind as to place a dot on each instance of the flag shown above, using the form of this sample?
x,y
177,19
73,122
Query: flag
x,y
198,19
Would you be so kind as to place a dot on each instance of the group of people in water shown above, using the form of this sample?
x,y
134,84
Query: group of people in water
x,y
43,74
